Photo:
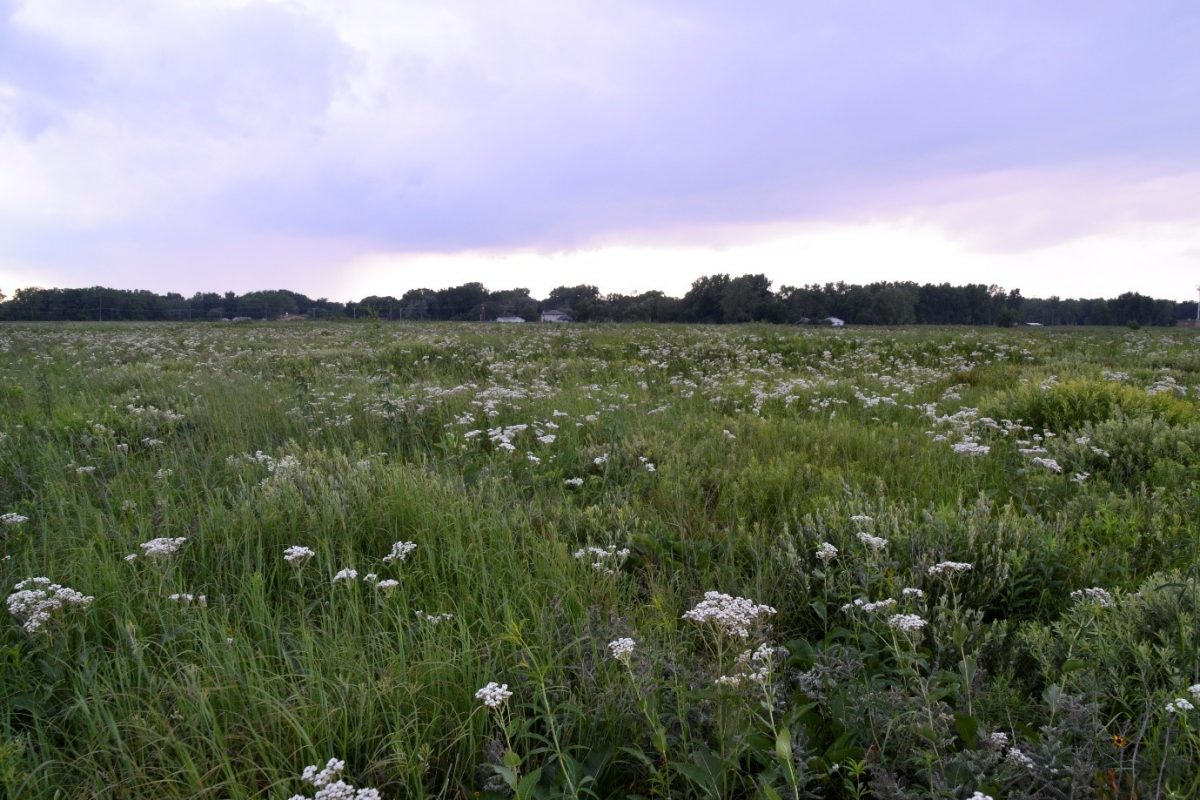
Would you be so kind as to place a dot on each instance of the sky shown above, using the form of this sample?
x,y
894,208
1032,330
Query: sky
x,y
344,148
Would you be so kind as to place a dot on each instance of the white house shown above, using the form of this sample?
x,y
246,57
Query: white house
x,y
834,321
554,315
509,319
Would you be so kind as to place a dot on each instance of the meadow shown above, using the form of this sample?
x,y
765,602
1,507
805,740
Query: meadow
x,y
453,560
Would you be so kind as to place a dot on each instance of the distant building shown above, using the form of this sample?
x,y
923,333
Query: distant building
x,y
834,321
554,315
509,319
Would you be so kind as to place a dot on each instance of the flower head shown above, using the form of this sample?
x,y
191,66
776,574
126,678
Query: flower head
x,y
36,601
348,574
297,555
906,623
827,552
622,649
950,567
493,695
875,543
400,551
733,616
1095,596
1179,705
162,547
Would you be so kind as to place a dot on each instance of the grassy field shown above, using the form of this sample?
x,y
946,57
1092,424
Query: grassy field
x,y
949,561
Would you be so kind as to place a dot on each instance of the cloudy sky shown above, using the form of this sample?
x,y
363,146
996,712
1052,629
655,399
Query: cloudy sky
x,y
352,147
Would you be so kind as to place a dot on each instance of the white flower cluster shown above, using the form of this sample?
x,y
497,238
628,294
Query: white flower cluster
x,y
433,619
162,547
400,551
916,594
971,447
330,787
35,600
622,649
876,543
187,599
348,574
1048,463
980,796
826,552
862,520
493,695
1179,705
1094,595
13,518
753,666
906,623
604,559
870,608
574,483
950,567
297,554
733,616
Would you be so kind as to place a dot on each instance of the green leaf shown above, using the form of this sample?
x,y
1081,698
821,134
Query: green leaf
x,y
968,728
1073,664
511,760
783,744
529,783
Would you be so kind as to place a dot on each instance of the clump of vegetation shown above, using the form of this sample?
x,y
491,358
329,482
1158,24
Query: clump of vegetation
x,y
587,562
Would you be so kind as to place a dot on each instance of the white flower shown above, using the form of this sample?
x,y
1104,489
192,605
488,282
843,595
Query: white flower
x,y
188,599
297,554
980,796
1179,705
1016,756
733,616
433,619
827,552
494,694
323,777
906,623
728,434
622,649
951,567
162,547
998,739
348,574
970,448
574,482
1048,463
387,585
1094,595
400,551
36,600
870,608
13,518
1194,689
876,543
862,520
909,591
604,559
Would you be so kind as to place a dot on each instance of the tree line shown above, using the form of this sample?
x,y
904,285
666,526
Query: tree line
x,y
711,299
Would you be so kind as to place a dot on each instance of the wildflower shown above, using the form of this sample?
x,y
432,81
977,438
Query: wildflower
x,y
400,551
387,585
1094,595
728,434
13,518
574,482
998,739
433,619
493,695
870,608
622,649
1016,756
604,559
862,520
348,574
35,600
1194,689
826,552
980,796
970,448
1048,463
162,547
951,567
906,623
84,470
297,554
733,616
916,594
876,543
324,777
1118,741
1179,705
1080,477
753,666
600,460
187,599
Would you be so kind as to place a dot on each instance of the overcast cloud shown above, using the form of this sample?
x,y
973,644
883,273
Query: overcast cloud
x,y
359,146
